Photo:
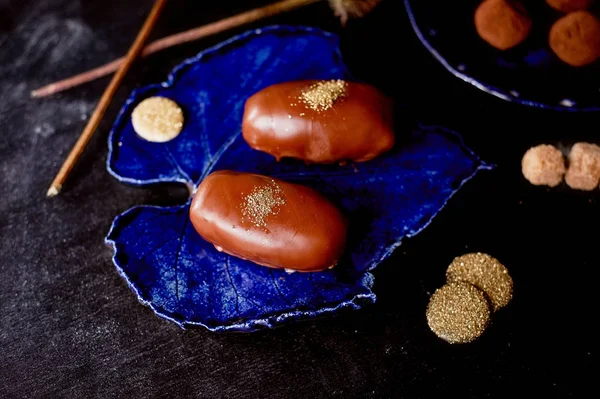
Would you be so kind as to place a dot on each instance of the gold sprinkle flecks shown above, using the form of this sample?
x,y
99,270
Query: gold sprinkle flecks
x,y
322,95
485,273
261,203
157,119
458,313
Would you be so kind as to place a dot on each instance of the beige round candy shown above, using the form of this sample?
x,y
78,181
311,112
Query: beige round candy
x,y
584,167
157,119
543,165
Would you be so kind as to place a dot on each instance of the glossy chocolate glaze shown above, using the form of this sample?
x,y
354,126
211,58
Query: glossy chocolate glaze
x,y
358,127
303,231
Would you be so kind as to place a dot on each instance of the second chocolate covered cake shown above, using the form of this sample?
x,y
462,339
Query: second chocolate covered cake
x,y
319,121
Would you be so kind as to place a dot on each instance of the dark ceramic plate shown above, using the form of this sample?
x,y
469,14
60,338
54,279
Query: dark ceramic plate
x,y
182,277
528,74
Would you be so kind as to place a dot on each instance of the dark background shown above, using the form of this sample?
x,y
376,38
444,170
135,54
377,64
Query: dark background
x,y
70,327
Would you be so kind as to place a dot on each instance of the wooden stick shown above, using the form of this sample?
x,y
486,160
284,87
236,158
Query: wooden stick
x,y
173,40
94,121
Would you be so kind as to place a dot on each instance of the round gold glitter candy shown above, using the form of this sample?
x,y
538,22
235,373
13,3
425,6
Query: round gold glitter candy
x,y
157,119
458,313
485,273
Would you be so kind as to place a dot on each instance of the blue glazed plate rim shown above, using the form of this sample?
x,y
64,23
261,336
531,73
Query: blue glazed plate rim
x,y
487,88
276,319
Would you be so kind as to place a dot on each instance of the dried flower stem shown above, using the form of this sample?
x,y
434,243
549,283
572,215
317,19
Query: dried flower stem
x,y
107,96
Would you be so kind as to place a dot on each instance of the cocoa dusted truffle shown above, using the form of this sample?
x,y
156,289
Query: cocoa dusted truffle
x,y
584,167
502,23
268,221
575,38
569,5
319,121
543,165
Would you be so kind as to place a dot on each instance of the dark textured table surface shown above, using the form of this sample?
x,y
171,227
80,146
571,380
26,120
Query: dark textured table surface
x,y
70,327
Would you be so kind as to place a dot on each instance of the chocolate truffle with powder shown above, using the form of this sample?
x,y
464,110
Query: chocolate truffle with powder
x,y
502,23
575,38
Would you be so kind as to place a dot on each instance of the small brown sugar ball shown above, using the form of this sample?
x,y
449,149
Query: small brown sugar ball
x,y
575,38
569,5
502,23
543,165
584,167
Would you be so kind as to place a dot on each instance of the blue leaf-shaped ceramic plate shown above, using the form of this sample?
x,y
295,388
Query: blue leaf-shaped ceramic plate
x,y
528,74
181,276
